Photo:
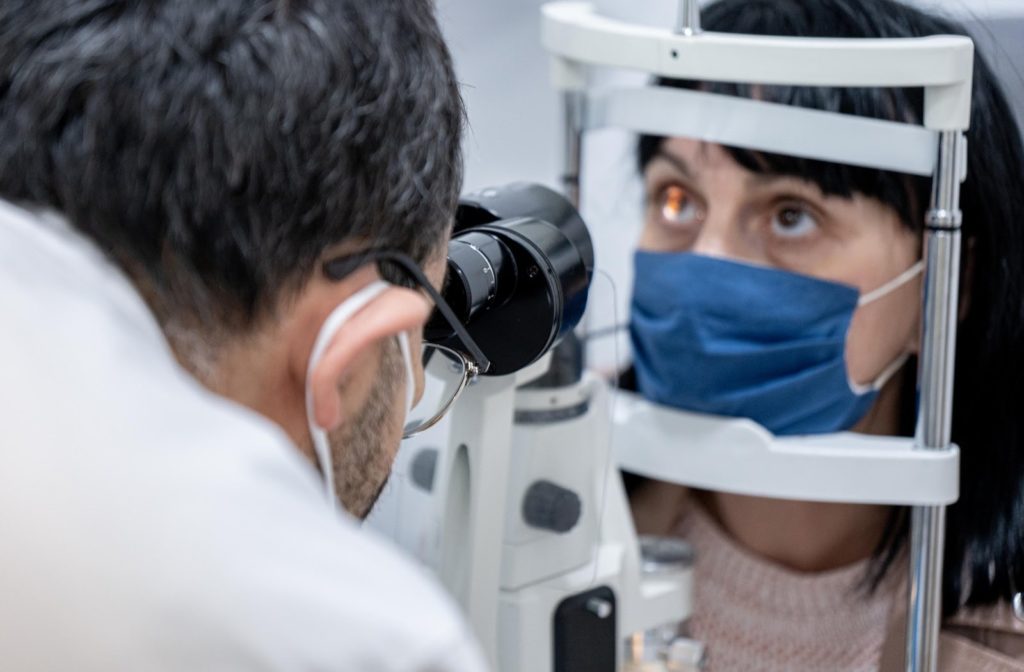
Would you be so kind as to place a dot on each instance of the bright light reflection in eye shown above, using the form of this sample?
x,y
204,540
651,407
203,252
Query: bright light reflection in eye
x,y
675,199
677,207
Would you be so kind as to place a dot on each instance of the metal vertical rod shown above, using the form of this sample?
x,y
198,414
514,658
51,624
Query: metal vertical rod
x,y
572,109
935,416
567,363
688,20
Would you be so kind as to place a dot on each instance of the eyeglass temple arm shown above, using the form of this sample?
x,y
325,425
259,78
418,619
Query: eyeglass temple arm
x,y
341,267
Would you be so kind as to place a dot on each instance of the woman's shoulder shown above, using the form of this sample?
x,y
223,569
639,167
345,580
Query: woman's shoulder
x,y
975,639
995,632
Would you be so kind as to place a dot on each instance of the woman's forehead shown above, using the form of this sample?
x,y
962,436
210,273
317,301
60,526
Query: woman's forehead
x,y
697,154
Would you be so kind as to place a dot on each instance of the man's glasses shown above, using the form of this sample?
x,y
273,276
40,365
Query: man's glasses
x,y
447,371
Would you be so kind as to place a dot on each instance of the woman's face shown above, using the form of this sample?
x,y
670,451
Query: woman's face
x,y
698,199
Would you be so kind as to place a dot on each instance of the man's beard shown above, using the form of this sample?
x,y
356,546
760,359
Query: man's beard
x,y
362,463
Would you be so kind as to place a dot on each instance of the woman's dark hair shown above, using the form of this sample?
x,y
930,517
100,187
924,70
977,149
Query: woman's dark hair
x,y
984,559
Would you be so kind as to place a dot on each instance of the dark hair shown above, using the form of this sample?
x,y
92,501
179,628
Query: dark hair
x,y
985,530
216,148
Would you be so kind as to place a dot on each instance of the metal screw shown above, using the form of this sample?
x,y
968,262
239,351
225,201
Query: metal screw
x,y
599,607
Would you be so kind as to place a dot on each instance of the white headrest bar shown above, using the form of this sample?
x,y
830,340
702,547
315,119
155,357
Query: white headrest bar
x,y
941,64
767,127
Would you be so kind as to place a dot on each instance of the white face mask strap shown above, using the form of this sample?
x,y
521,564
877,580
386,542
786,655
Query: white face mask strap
x,y
342,314
886,289
883,377
410,377
891,371
894,284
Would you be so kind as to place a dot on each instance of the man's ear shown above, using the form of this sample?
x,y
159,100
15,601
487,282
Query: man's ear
x,y
395,310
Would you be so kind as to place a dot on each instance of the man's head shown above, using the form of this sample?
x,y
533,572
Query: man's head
x,y
219,151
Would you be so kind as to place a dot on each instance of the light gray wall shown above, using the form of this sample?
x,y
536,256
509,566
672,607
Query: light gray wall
x,y
1001,41
513,113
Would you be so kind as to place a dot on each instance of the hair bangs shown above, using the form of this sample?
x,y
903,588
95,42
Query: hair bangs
x,y
899,191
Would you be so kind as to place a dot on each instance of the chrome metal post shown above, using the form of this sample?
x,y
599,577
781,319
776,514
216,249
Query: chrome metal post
x,y
688,20
935,415
567,362
572,109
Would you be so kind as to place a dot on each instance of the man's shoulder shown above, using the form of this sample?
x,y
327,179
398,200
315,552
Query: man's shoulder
x,y
326,593
146,523
213,552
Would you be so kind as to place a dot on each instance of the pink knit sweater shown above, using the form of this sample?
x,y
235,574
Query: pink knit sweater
x,y
754,615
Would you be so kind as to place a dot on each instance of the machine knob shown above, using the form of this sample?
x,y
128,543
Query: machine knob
x,y
547,506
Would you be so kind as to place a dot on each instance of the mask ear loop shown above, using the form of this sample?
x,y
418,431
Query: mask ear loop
x,y
410,377
338,317
883,378
874,295
891,286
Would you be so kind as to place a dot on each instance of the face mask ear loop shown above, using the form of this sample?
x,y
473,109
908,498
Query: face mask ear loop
x,y
323,458
874,295
410,377
891,286
331,325
883,378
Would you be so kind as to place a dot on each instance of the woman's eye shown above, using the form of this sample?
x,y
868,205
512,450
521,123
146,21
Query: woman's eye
x,y
677,208
793,223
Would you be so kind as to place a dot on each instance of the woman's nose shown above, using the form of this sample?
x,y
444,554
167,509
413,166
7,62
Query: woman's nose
x,y
717,236
722,236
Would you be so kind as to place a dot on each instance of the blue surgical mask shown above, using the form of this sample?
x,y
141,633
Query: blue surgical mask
x,y
728,338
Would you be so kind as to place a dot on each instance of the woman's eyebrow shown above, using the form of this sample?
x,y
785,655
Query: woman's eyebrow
x,y
764,180
677,162
791,182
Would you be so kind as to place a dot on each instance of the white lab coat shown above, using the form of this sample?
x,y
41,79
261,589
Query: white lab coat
x,y
148,524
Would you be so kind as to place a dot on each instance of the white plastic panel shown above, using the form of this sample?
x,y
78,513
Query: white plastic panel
x,y
768,127
739,456
942,64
